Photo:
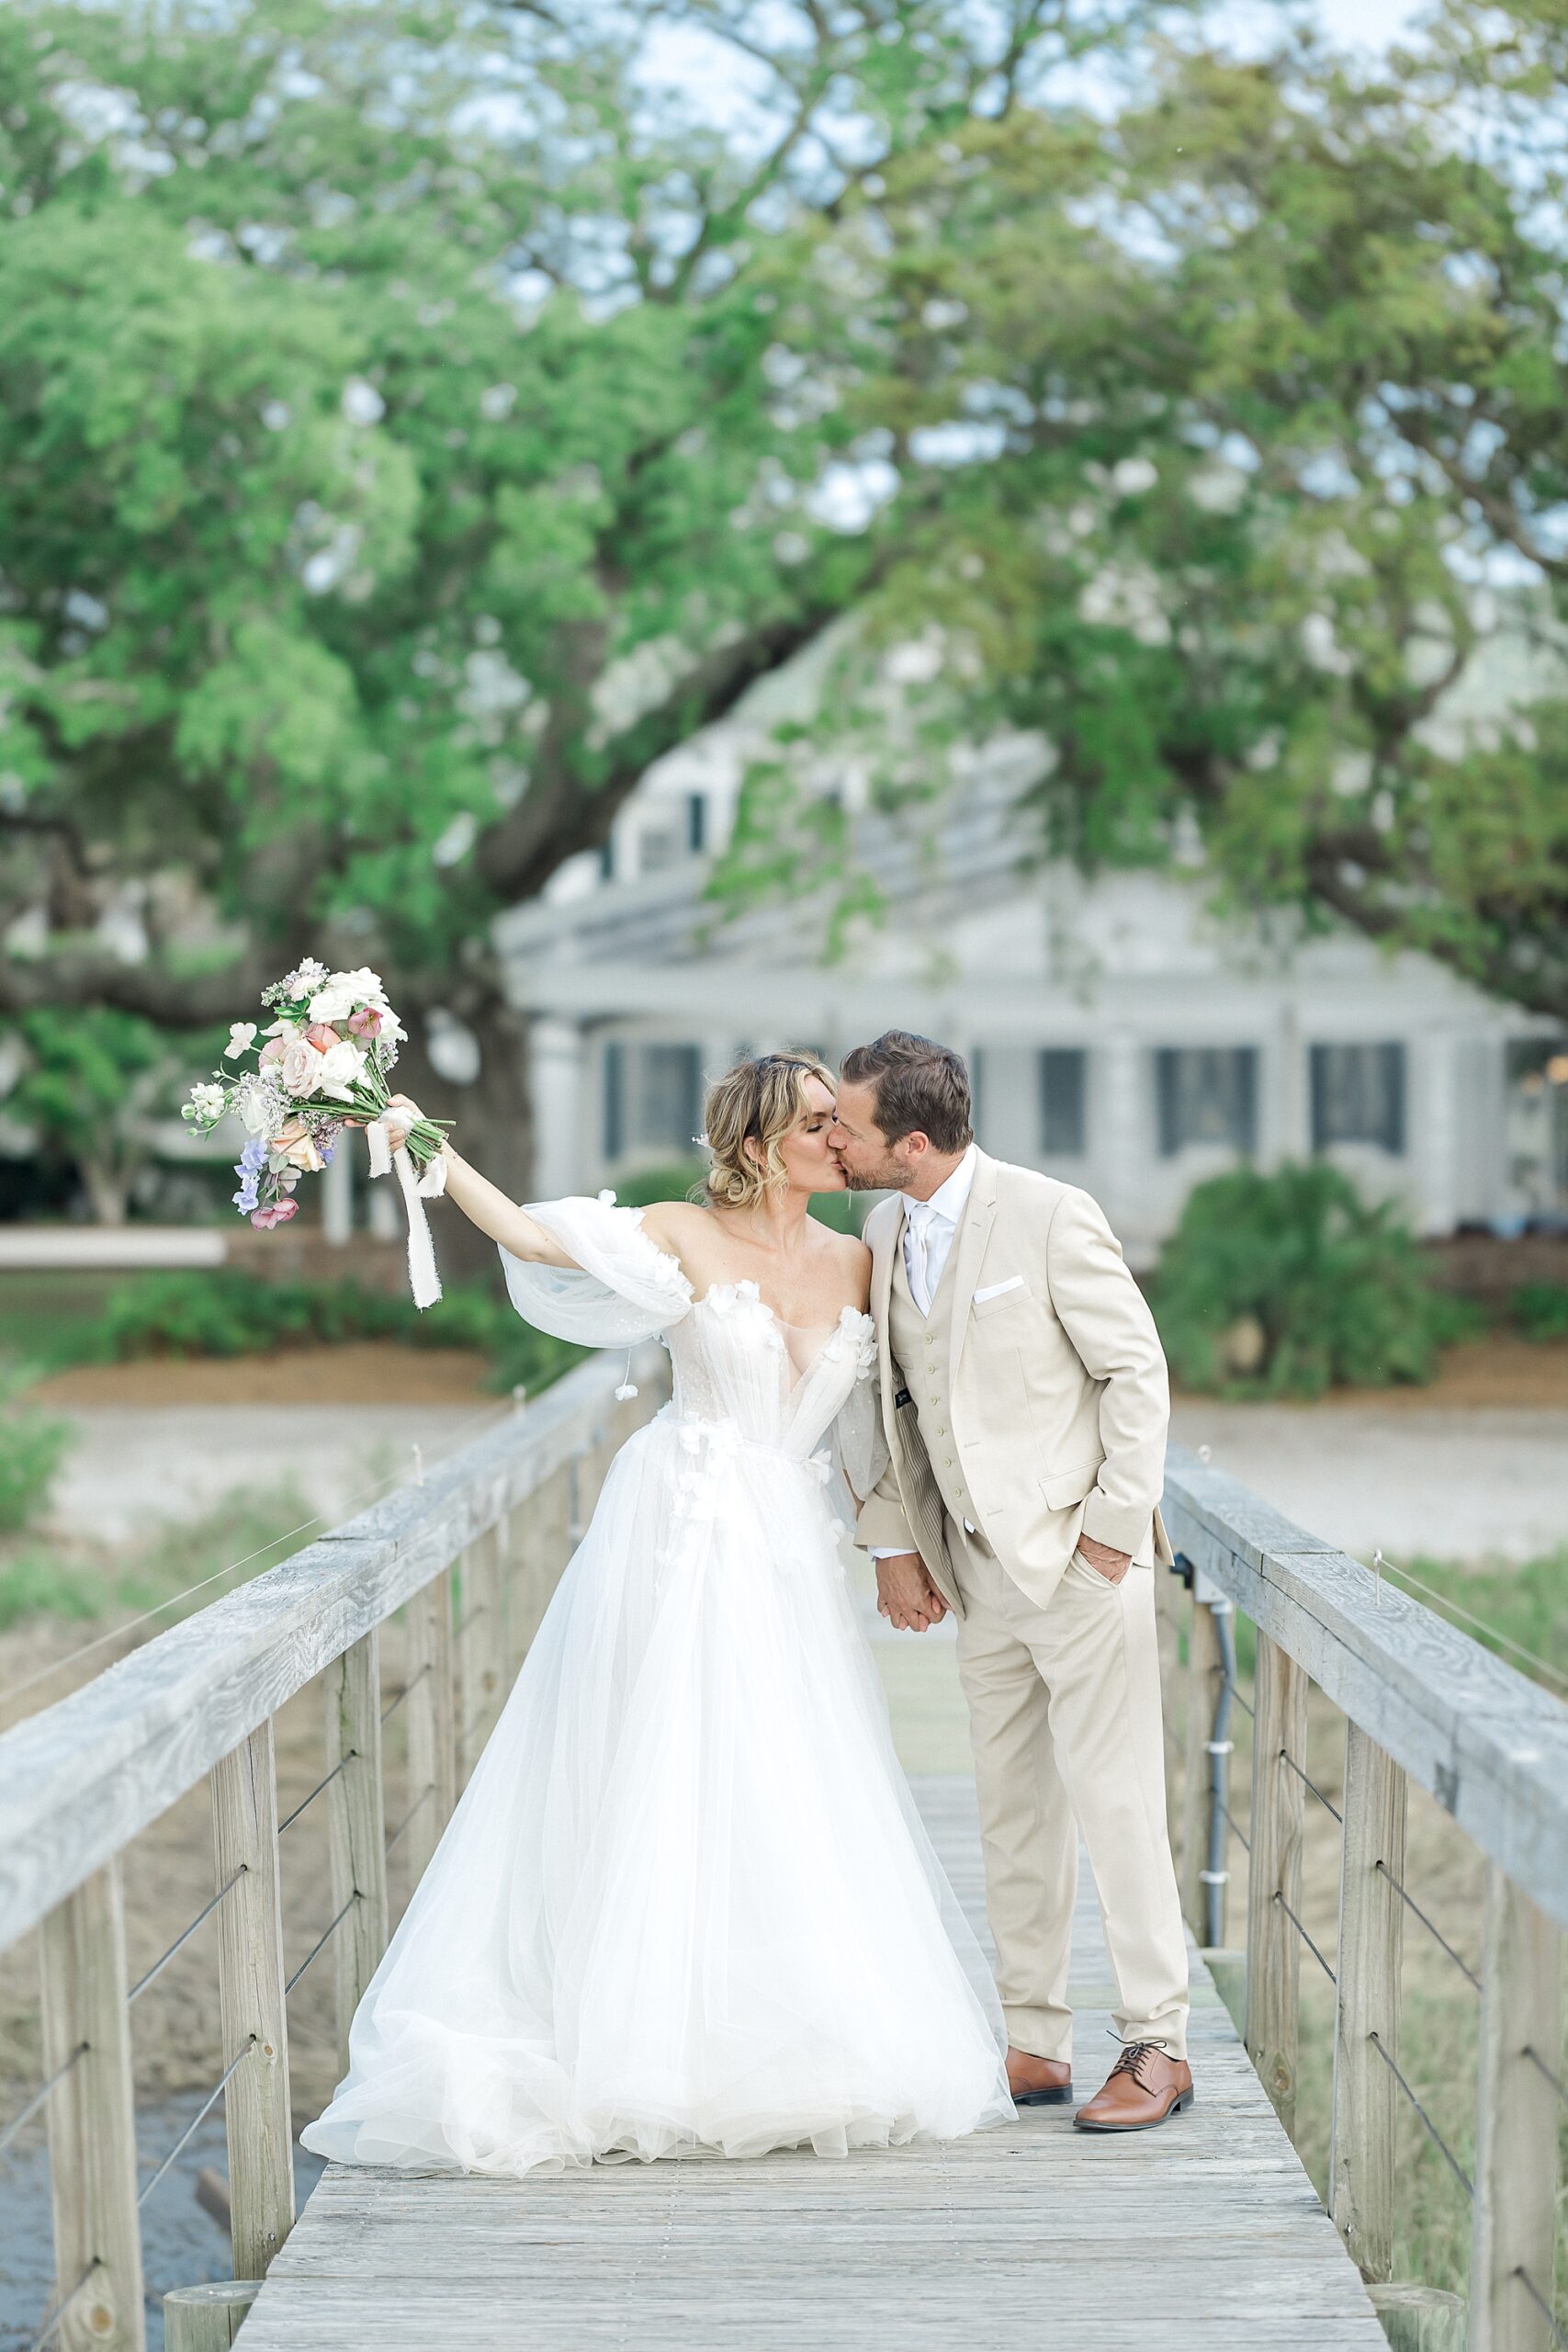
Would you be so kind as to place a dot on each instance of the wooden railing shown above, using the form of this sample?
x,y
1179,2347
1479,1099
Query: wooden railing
x,y
1422,1702
491,1528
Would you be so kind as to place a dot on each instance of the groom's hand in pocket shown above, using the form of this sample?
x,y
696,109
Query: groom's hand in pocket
x,y
1112,1565
906,1595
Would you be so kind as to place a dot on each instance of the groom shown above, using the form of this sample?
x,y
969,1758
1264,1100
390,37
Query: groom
x,y
1025,1394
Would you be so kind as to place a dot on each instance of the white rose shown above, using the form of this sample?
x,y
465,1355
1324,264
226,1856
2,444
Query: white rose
x,y
241,1035
301,1068
334,1003
368,987
342,1066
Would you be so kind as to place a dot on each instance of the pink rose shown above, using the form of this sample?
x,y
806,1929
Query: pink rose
x,y
279,1214
322,1035
272,1051
366,1022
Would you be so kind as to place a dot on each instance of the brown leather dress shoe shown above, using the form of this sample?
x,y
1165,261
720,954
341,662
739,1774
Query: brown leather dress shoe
x,y
1039,2081
1145,2087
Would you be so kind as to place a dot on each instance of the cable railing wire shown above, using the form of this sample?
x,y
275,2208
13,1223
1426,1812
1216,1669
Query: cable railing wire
x,y
392,1705
185,1935
1539,2063
203,2111
1243,1840
1433,2134
19,2122
1481,1624
1432,1928
1542,2306
423,1796
1306,1782
326,1783
117,1632
1306,1937
320,1942
57,2313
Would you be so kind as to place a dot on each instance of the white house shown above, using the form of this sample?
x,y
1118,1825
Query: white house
x,y
1119,1034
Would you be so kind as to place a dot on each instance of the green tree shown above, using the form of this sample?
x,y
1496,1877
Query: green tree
x,y
91,1083
393,463
1254,399
414,420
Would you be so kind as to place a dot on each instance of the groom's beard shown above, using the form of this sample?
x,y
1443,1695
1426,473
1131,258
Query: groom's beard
x,y
883,1180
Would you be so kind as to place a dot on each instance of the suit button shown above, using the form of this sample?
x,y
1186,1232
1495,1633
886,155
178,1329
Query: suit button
x,y
950,1461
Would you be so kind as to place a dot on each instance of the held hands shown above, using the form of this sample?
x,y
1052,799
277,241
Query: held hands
x,y
906,1595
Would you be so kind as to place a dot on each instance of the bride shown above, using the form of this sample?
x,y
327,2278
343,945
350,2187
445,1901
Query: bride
x,y
686,1902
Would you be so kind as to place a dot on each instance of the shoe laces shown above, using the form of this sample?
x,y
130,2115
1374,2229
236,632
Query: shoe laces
x,y
1132,2060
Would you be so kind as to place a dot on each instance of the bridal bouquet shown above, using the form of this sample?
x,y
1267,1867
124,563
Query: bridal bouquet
x,y
322,1064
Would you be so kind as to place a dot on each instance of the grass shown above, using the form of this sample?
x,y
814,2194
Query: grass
x,y
1439,2012
91,1585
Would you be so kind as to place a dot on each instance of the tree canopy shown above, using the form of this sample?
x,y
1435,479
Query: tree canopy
x,y
414,419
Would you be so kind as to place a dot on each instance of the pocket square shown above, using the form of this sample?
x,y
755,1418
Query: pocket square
x,y
995,1290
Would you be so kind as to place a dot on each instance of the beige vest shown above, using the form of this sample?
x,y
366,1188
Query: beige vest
x,y
921,1349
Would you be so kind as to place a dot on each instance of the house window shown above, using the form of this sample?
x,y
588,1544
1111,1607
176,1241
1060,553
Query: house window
x,y
652,1099
1357,1096
696,822
1207,1094
1062,1102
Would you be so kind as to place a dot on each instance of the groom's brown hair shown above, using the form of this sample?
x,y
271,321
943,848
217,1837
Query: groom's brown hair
x,y
921,1088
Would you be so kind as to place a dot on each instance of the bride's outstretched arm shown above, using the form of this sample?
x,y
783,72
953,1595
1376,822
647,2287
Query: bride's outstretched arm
x,y
486,1206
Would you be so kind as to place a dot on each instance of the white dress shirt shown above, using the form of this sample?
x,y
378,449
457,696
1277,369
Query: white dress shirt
x,y
929,1229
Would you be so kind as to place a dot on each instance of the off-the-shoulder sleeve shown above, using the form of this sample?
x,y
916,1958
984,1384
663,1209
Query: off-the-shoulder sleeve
x,y
620,1290
860,1449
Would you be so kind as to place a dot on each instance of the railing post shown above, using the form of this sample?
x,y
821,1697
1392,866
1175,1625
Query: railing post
x,y
1361,2160
479,1647
433,1763
1274,1878
356,1823
1517,2116
91,2118
1205,1675
251,2003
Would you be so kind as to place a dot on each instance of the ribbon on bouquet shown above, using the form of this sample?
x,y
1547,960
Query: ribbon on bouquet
x,y
385,1156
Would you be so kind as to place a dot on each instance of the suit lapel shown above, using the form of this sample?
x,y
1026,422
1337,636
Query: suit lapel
x,y
968,1250
883,1262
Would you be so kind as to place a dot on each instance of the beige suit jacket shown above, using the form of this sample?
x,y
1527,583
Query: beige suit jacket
x,y
1058,1396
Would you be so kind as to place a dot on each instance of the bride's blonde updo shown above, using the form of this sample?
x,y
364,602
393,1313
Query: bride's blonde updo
x,y
758,1102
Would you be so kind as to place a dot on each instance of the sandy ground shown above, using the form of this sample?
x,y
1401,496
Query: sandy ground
x,y
1476,1463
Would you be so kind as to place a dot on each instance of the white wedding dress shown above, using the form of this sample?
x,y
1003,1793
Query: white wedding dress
x,y
686,1902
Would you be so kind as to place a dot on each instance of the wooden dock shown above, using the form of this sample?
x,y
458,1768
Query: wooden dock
x,y
1204,2236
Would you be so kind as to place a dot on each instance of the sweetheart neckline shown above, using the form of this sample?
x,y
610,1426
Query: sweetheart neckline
x,y
747,1288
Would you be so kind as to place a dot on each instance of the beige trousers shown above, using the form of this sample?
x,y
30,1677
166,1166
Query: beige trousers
x,y
1064,1716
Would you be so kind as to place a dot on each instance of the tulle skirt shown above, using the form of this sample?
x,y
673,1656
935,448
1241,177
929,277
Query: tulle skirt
x,y
686,1902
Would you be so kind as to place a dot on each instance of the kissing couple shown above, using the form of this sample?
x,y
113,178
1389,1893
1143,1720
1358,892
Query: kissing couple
x,y
686,1901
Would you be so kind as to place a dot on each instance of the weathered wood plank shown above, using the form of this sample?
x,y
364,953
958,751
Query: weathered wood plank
x,y
252,2004
1371,1940
432,1787
1516,2117
1015,2236
80,1779
1489,1744
355,1824
1274,1875
91,2118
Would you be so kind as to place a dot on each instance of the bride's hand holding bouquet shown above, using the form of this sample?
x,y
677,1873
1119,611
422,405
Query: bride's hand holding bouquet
x,y
324,1065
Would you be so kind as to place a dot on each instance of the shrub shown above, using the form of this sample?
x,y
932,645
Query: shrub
x,y
1541,1310
224,1313
31,1449
1289,1283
